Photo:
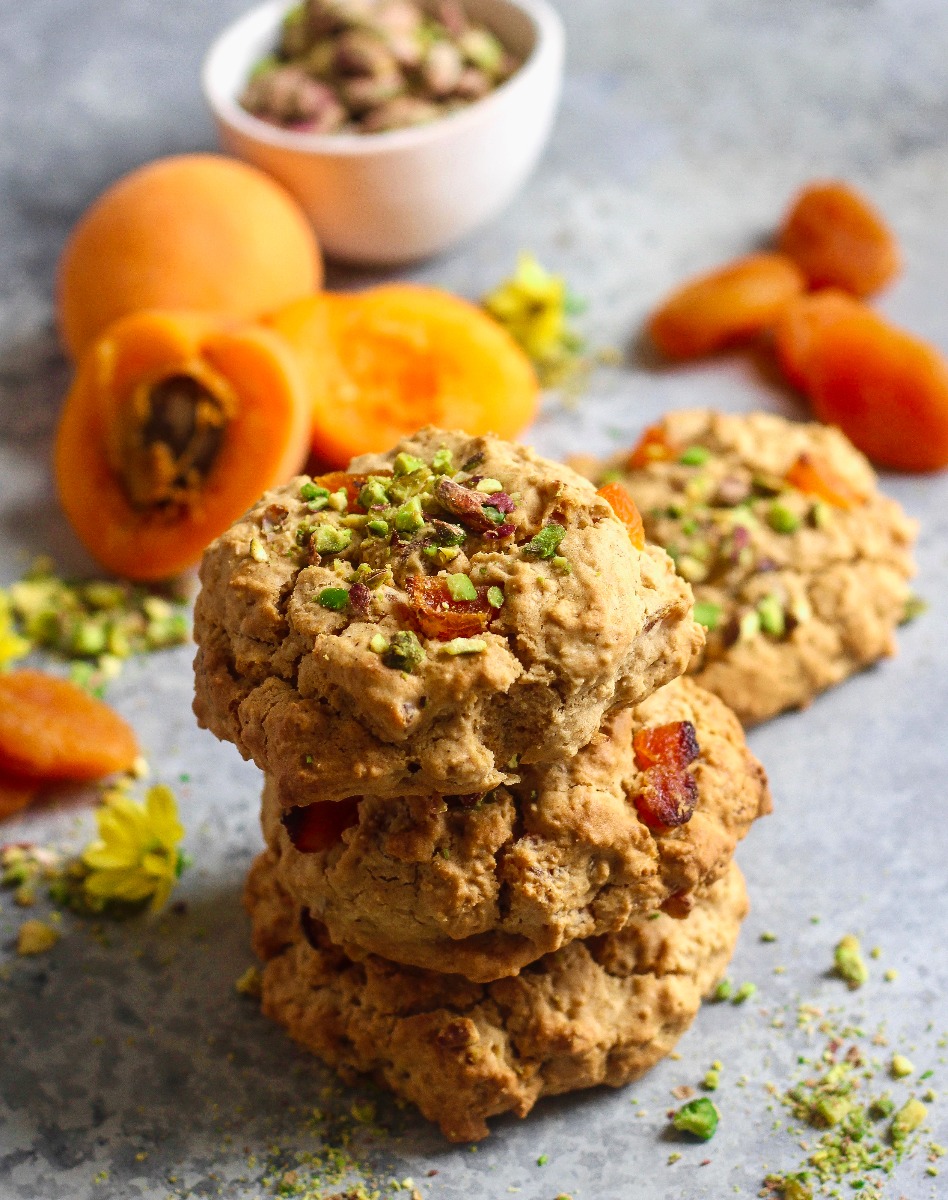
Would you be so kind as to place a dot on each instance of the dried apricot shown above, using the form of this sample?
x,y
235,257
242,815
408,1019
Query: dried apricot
x,y
625,509
668,798
726,306
651,447
319,826
51,729
818,479
15,795
800,326
673,745
838,239
440,615
885,388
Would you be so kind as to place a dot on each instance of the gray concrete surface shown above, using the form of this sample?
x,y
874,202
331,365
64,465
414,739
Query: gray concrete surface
x,y
128,1065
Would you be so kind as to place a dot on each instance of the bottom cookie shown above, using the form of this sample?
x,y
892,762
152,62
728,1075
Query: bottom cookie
x,y
599,1011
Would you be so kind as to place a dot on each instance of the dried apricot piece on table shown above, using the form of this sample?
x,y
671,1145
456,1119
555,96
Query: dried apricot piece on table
x,y
726,306
382,363
838,239
625,509
173,427
50,729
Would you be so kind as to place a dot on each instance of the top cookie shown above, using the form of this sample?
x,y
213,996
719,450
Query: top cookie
x,y
426,621
799,566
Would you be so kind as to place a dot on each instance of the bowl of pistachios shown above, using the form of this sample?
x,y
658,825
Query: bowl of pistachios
x,y
399,125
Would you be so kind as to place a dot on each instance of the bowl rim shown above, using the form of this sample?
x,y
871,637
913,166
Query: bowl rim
x,y
549,45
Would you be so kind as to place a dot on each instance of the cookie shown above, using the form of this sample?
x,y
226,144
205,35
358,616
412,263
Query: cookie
x,y
601,1011
429,621
800,567
483,885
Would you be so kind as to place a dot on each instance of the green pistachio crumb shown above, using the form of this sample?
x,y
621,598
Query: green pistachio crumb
x,y
373,493
891,975
379,643
310,491
327,539
258,552
464,646
493,514
724,990
744,992
707,614
339,501
767,936
562,564
711,1081
406,464
694,456
495,597
378,528
697,1117
442,462
749,626
460,587
901,1066
489,486
335,599
542,1160
405,652
772,617
794,1189
691,568
914,607
882,1107
821,514
409,518
446,554
850,965
546,543
610,475
782,519
907,1119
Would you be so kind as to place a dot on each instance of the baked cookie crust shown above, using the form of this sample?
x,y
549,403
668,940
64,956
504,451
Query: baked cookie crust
x,y
483,885
799,566
601,1011
430,621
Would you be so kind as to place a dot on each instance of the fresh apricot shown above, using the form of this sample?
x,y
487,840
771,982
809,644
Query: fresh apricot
x,y
838,239
196,231
384,362
726,306
175,424
50,729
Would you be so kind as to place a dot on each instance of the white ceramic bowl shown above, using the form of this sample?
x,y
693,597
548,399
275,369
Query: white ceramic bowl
x,y
388,198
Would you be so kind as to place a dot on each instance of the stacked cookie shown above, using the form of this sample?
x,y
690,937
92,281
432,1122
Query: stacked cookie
x,y
499,824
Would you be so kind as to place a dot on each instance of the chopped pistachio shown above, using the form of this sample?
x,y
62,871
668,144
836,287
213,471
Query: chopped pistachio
x,y
460,587
373,493
724,990
335,599
711,1081
772,617
697,1117
312,491
377,527
445,554
327,539
405,652
354,521
493,514
36,937
694,456
379,643
914,607
707,614
409,518
691,568
546,543
908,1119
883,1106
489,486
795,1189
849,962
464,646
890,975
339,501
258,552
407,464
495,597
442,463
744,992
821,514
748,626
901,1066
250,983
562,564
782,519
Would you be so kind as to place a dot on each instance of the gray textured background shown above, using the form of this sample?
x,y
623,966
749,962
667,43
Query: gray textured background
x,y
128,1066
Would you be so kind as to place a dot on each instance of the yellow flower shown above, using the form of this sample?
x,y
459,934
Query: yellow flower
x,y
533,306
137,856
12,646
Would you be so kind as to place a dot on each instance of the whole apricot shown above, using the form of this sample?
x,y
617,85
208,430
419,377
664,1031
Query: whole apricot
x,y
196,231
